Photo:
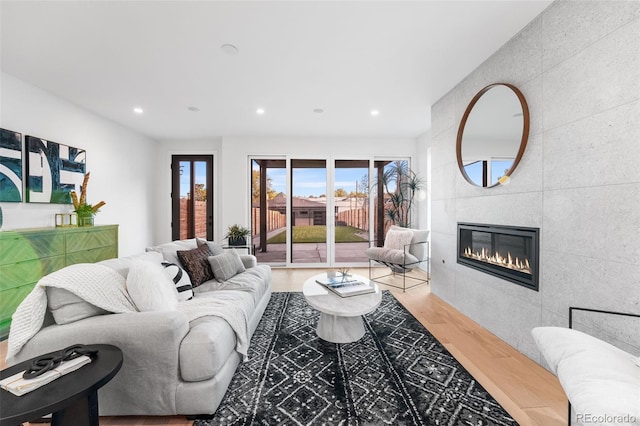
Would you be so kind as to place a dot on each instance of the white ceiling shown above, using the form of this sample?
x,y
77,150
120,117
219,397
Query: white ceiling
x,y
346,57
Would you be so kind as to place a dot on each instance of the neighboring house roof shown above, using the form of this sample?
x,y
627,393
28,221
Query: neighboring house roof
x,y
280,202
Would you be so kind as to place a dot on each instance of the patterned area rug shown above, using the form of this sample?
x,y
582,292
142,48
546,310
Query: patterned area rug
x,y
397,374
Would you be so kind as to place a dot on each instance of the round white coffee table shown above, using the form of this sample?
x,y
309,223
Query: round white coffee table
x,y
340,317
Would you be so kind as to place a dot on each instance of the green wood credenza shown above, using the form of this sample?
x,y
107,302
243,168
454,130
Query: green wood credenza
x,y
26,255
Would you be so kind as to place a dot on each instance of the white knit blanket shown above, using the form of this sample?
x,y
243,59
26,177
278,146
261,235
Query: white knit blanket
x,y
105,288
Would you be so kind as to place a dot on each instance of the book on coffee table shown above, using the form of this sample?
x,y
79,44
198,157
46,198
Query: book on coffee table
x,y
19,386
349,288
335,280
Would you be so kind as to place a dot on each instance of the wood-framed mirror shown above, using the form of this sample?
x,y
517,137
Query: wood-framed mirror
x,y
492,135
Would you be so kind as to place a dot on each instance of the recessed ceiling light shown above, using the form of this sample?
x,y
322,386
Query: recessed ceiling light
x,y
260,111
318,110
193,109
375,112
229,49
138,110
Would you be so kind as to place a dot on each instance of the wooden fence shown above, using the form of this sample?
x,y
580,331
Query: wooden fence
x,y
357,218
275,220
200,218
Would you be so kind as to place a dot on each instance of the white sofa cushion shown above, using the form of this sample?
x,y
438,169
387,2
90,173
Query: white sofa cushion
x,y
601,381
66,307
122,264
169,250
214,247
150,287
205,348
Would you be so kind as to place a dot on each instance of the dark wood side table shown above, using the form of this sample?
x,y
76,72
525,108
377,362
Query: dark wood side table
x,y
72,398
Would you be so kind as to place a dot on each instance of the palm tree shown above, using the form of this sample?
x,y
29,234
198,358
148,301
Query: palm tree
x,y
400,198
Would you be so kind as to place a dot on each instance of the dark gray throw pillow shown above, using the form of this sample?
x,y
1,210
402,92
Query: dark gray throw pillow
x,y
196,264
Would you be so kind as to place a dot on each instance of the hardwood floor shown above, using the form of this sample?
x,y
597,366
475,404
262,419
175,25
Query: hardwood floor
x,y
529,393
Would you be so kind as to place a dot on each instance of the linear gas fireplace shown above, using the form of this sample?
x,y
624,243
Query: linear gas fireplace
x,y
508,252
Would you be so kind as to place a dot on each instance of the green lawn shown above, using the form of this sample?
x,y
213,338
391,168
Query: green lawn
x,y
317,234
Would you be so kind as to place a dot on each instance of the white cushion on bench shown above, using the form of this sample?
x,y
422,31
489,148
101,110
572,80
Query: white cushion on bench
x,y
600,380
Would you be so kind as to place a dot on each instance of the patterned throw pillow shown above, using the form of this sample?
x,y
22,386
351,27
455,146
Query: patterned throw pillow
x,y
226,265
196,264
181,280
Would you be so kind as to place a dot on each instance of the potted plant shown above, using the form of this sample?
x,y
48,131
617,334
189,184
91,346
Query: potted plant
x,y
237,235
84,211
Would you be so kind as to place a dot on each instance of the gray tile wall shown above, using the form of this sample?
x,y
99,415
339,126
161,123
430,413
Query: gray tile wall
x,y
578,65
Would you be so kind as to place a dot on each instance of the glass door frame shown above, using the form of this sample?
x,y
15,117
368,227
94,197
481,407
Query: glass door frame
x,y
290,218
332,237
176,159
330,207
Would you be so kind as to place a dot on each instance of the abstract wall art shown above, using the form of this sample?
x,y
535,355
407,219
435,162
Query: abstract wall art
x,y
10,166
53,171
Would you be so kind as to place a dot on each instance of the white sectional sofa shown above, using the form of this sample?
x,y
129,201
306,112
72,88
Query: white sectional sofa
x,y
172,365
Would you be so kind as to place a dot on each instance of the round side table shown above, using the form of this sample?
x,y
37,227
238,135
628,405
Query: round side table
x,y
72,398
340,317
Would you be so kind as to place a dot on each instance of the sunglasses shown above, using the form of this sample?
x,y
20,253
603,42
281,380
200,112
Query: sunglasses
x,y
48,362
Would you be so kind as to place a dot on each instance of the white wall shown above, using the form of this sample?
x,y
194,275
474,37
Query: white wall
x,y
121,162
231,176
578,66
422,167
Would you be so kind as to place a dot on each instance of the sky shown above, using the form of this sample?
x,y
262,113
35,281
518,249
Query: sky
x,y
313,182
306,182
498,169
201,175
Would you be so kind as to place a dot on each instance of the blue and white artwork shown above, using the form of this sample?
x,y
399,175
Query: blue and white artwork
x,y
10,166
53,171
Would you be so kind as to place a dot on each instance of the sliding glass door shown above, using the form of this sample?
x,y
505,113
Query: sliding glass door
x,y
269,210
320,211
308,211
351,210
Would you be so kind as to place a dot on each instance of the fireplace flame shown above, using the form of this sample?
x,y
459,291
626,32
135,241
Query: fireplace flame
x,y
497,259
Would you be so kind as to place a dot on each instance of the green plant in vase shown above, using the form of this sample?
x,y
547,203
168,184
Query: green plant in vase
x,y
237,235
84,210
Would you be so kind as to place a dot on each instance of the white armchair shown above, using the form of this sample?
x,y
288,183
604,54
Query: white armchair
x,y
404,250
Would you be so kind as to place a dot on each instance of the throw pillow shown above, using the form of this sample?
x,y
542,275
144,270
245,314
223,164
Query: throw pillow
x,y
196,264
397,240
66,307
215,248
419,236
181,280
169,250
226,265
150,288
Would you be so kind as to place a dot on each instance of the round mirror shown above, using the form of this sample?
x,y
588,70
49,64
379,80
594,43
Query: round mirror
x,y
492,135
